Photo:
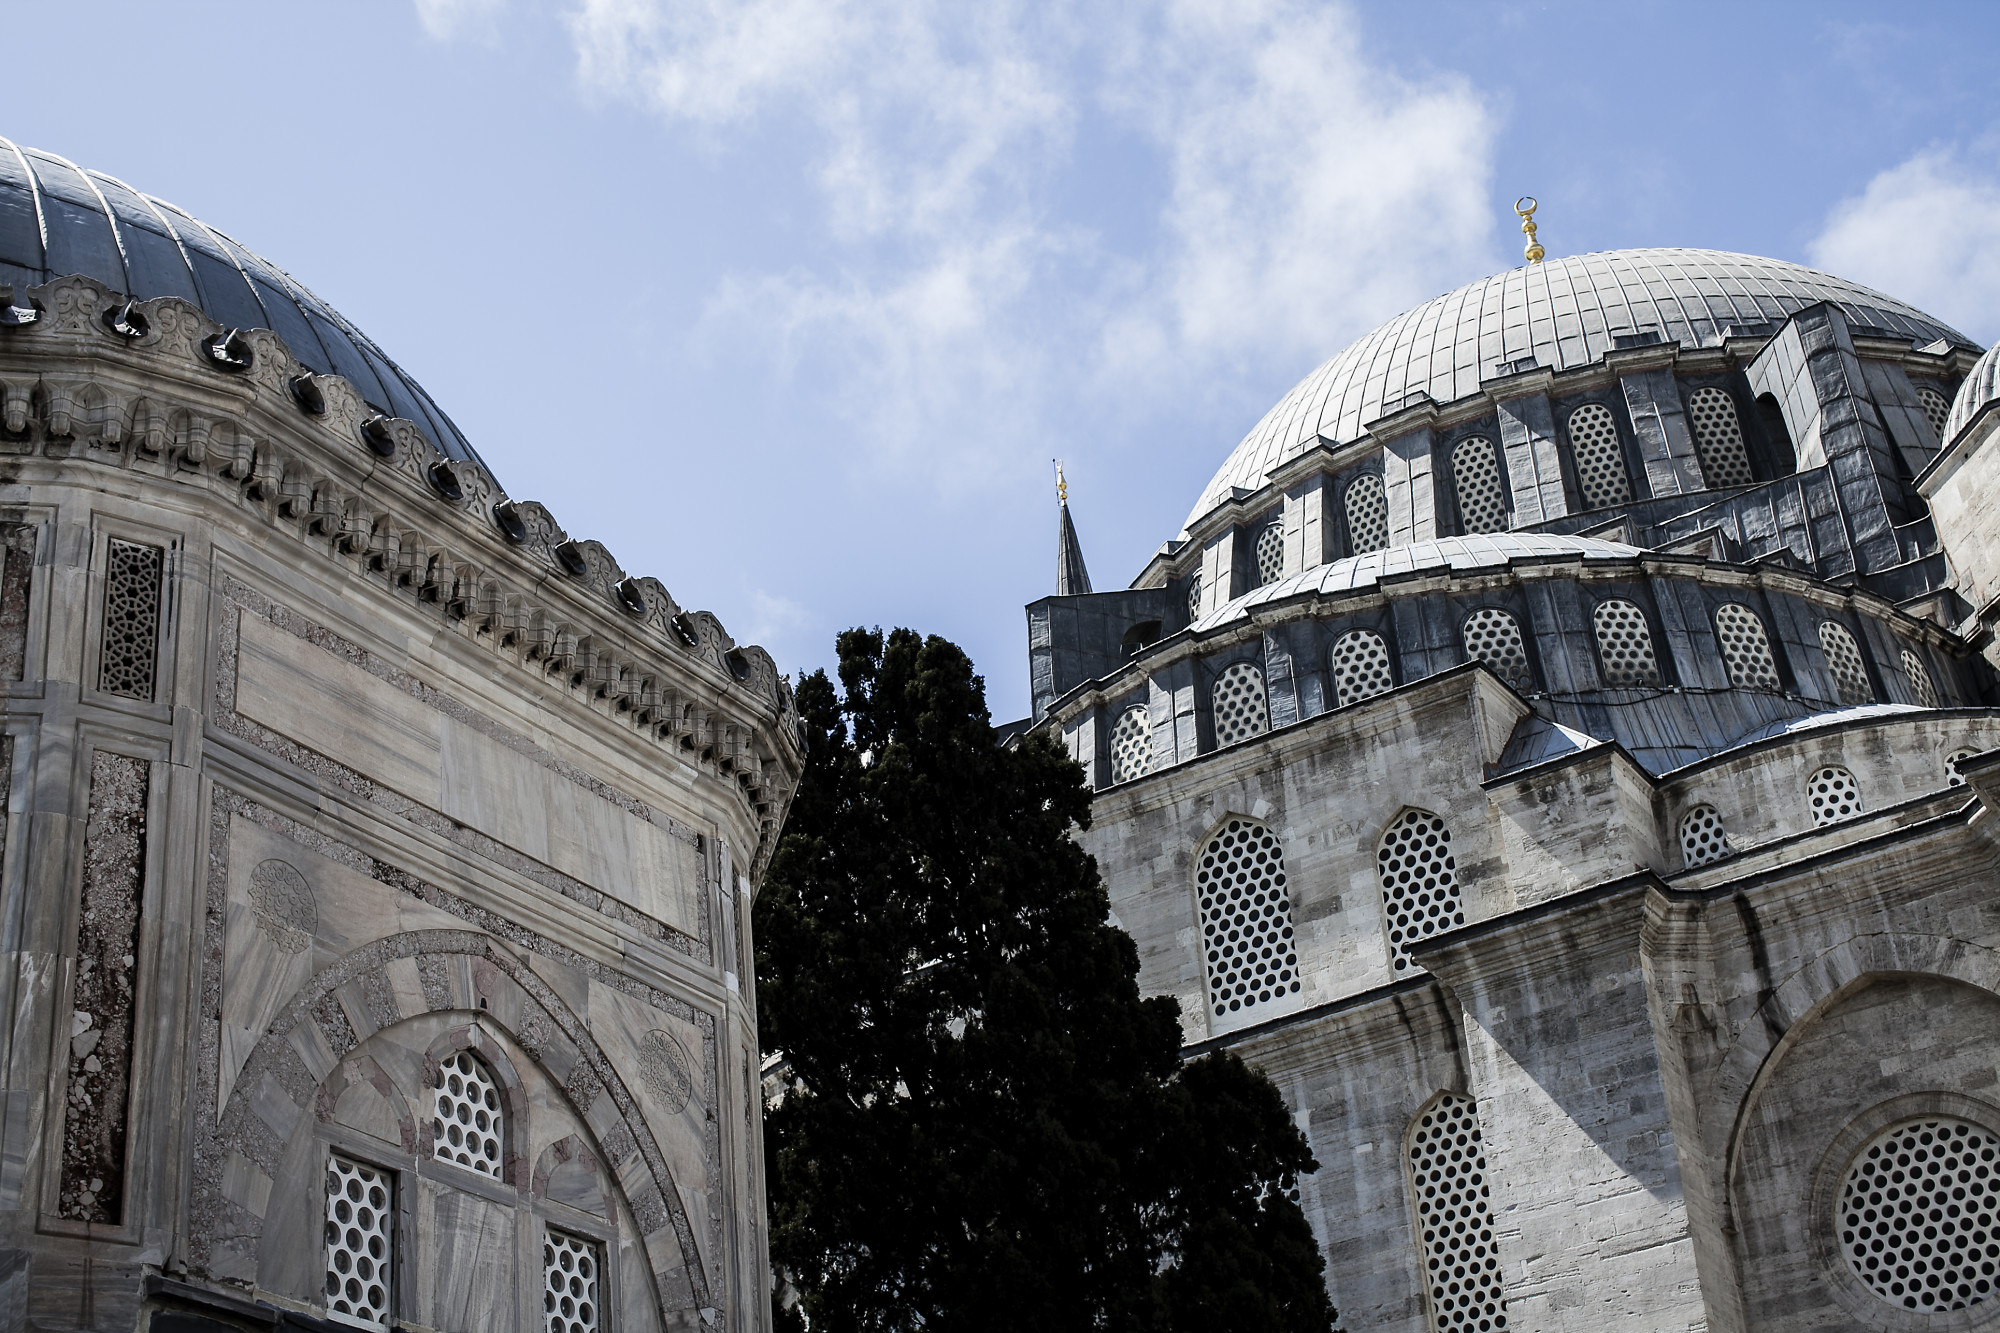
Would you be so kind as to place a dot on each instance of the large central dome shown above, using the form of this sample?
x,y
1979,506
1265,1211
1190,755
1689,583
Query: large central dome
x,y
1563,313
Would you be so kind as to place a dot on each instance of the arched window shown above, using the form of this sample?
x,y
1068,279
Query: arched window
x,y
1419,878
1936,409
1494,637
1702,837
1923,692
1914,1214
1194,595
1367,514
1600,463
1131,745
1482,505
1746,650
1625,644
1834,794
570,1273
1718,438
1455,1218
360,1241
1954,776
1843,660
466,1123
1270,552
1246,918
1239,704
1361,669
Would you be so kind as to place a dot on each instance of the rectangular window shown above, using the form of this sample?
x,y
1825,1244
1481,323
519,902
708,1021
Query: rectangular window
x,y
360,1242
570,1270
127,660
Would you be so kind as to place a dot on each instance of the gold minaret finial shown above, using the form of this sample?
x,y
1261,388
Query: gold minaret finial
x,y
1526,206
1062,486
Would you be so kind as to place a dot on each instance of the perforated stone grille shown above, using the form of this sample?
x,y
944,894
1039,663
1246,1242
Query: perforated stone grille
x,y
1917,1214
1923,692
1270,553
126,663
1935,407
1367,514
1194,595
1745,649
1360,667
1455,1218
1494,637
1625,644
1240,708
1419,882
1834,795
1718,438
569,1284
1131,745
1600,466
360,1233
1954,776
1702,838
465,1117
1246,918
1482,505
1843,660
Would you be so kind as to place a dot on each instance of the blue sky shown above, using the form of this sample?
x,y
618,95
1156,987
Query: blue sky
x,y
790,302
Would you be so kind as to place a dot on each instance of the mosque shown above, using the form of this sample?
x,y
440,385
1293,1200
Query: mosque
x,y
1557,747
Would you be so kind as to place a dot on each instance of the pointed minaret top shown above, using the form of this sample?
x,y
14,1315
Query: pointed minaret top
x,y
1071,576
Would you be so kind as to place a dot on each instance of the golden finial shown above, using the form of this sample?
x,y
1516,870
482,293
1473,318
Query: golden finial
x,y
1526,206
1062,486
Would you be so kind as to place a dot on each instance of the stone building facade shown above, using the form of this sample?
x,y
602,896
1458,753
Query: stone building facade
x,y
1559,750
377,859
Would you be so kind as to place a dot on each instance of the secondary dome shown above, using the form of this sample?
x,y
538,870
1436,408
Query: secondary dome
x,y
1561,314
57,219
1981,387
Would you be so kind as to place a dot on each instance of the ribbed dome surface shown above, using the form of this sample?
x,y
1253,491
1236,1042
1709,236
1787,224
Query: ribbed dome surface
x,y
57,219
1563,313
1981,387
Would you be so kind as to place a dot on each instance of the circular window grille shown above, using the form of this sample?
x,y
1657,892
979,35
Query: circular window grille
x,y
359,1223
1702,838
1194,595
1935,408
1494,637
1131,745
1367,514
1917,1214
465,1119
1745,649
1625,644
1360,667
1923,692
1419,882
1482,506
1843,659
1600,468
1455,1218
1270,552
1954,776
569,1284
1834,794
1240,710
1718,438
1246,918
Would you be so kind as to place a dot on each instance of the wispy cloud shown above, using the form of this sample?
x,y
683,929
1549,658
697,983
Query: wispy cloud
x,y
449,19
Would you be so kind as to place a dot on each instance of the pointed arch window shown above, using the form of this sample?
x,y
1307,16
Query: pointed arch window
x,y
1246,918
1494,637
1240,706
1923,691
1718,438
1625,644
1843,662
1361,669
1702,837
467,1126
1834,795
1419,878
1455,1243
1269,552
1482,503
1367,514
1600,461
1131,745
1746,649
1936,410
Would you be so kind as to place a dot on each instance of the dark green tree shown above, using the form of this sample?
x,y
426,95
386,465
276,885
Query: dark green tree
x,y
985,1125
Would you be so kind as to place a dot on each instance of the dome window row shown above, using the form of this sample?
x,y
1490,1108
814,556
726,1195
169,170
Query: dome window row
x,y
1718,439
1832,794
1475,470
1936,410
1269,552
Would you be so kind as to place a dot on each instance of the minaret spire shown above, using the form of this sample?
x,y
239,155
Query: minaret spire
x,y
1071,576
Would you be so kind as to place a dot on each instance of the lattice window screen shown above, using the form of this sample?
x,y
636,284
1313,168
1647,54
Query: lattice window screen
x,y
1270,552
465,1115
1455,1217
1916,1215
1834,794
1746,650
1600,463
1246,918
1361,669
1482,504
1194,595
1625,644
1494,637
128,659
1419,878
1923,691
1367,514
569,1284
1702,837
360,1241
1718,437
1241,710
1131,745
1843,659
1935,408
1954,776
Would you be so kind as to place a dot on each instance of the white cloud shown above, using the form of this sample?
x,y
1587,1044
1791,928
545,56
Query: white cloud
x,y
448,19
1926,231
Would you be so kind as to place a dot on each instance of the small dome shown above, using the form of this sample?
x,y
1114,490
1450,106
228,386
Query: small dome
x,y
1981,387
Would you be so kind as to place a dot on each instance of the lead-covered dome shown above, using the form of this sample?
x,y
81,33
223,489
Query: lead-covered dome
x,y
1981,387
1559,314
57,219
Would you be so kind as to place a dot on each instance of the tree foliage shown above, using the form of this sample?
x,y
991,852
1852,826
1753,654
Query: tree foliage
x,y
986,1126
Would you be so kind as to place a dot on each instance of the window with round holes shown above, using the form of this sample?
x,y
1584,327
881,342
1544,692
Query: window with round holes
x,y
1419,879
1270,552
1131,745
1475,473
570,1280
1843,661
465,1116
1600,463
1246,918
1455,1218
1367,514
1361,669
1624,644
1936,409
1923,691
360,1241
1194,595
1919,1214
1241,710
1494,637
1746,650
1702,837
1833,795
1718,439
1954,776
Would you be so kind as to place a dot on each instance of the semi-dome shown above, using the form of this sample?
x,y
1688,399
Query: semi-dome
x,y
57,219
1982,386
1560,314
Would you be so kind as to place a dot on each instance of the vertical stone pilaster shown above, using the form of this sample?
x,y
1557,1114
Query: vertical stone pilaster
x,y
1410,487
1660,428
1534,461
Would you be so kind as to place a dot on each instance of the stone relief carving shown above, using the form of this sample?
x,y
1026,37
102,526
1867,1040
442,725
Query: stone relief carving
x,y
663,1067
282,902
